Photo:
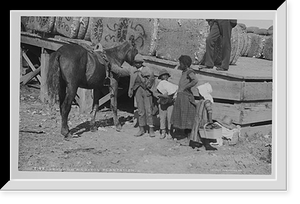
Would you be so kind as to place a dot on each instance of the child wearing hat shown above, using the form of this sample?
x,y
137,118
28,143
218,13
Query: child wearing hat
x,y
140,85
166,93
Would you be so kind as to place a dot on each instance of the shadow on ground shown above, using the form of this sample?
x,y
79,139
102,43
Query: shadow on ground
x,y
86,126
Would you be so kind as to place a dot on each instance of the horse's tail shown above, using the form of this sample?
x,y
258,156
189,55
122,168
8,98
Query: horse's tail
x,y
53,77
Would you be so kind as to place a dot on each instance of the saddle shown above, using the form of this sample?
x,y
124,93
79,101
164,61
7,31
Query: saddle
x,y
100,54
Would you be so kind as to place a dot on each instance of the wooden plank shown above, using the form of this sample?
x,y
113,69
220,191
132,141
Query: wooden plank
x,y
76,41
104,99
238,72
257,130
222,109
256,112
257,91
26,78
44,71
224,89
30,65
229,90
42,42
244,113
85,101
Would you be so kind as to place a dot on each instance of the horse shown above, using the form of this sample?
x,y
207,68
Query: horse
x,y
73,66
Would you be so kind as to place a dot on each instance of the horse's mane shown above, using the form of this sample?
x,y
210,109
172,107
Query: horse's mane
x,y
118,47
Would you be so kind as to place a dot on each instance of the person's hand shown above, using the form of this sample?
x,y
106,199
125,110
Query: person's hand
x,y
211,125
163,95
130,93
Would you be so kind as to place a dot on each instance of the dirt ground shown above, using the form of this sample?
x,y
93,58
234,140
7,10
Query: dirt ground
x,y
42,148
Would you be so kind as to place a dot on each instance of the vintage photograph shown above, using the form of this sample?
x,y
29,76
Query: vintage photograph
x,y
145,95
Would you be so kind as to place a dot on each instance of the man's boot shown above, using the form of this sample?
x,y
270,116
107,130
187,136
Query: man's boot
x,y
140,132
151,131
163,134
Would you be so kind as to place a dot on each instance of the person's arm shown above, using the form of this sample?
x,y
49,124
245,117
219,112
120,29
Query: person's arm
x,y
155,91
208,106
121,71
193,80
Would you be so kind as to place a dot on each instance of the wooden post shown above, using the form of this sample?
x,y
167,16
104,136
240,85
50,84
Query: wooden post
x,y
44,70
31,65
85,100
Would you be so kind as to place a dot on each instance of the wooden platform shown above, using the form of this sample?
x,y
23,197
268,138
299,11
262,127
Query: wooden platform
x,y
244,92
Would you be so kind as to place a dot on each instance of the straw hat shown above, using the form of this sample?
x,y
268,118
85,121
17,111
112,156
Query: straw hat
x,y
138,58
163,72
226,121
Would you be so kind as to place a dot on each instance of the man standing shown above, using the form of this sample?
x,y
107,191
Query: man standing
x,y
223,28
141,82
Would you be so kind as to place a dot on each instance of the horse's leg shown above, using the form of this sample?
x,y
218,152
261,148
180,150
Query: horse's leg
x,y
61,94
96,95
65,110
113,100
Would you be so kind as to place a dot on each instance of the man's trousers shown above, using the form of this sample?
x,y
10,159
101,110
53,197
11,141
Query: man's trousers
x,y
219,28
144,105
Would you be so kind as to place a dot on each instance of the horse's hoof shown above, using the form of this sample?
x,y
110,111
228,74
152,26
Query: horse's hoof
x,y
68,137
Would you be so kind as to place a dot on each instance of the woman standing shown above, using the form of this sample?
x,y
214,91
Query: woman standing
x,y
185,108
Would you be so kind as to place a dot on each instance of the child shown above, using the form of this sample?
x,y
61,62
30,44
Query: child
x,y
141,81
203,116
184,110
167,94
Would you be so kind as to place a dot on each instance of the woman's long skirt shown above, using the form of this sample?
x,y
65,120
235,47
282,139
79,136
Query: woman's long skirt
x,y
184,111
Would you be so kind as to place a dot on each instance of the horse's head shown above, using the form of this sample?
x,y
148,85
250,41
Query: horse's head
x,y
124,52
131,53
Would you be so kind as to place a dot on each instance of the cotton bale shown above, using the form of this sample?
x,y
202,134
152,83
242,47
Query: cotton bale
x,y
95,24
83,25
38,23
268,48
257,43
114,32
67,26
270,30
237,42
245,46
252,29
176,37
261,31
143,32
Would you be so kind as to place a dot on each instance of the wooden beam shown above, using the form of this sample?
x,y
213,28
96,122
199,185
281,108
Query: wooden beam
x,y
44,71
47,43
257,91
207,72
224,89
30,65
257,130
26,78
244,113
85,101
